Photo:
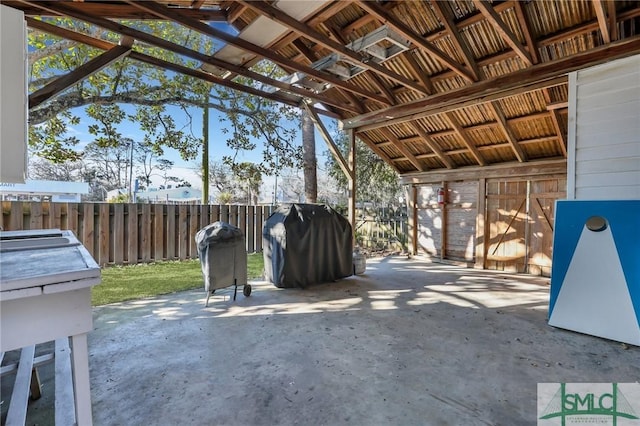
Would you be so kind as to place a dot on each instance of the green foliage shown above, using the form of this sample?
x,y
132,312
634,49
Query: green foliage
x,y
120,283
151,91
376,181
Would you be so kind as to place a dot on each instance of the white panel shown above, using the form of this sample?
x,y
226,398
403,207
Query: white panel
x,y
13,96
604,136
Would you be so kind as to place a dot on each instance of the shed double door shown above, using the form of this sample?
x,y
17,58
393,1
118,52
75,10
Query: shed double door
x,y
519,227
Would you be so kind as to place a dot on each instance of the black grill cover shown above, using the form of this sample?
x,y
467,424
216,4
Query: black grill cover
x,y
306,244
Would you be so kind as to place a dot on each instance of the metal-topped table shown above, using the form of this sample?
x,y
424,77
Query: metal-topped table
x,y
45,294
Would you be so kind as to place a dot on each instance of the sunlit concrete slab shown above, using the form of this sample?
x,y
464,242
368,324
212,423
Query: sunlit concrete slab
x,y
407,343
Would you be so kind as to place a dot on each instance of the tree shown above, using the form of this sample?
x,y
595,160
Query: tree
x,y
68,171
151,92
376,181
309,158
235,183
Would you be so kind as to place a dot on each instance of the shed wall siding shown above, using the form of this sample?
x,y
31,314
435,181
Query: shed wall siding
x,y
606,149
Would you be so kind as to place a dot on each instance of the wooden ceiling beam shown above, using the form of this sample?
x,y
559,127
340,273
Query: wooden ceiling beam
x,y
197,4
545,74
508,132
432,144
525,27
166,13
419,41
603,22
501,28
333,148
83,71
455,124
310,33
454,34
104,45
235,13
403,149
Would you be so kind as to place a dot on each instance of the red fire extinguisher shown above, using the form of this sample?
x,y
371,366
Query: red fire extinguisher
x,y
441,196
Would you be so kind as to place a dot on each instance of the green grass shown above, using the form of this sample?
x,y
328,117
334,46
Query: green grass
x,y
120,283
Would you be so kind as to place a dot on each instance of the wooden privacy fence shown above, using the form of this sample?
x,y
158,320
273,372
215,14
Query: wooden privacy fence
x,y
135,233
382,228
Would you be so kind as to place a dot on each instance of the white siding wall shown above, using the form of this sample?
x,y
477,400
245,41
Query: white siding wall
x,y
13,96
604,132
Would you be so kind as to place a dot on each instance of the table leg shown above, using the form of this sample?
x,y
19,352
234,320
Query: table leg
x,y
81,379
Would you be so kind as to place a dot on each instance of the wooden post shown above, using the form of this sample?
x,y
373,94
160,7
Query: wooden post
x,y
352,184
412,219
481,224
443,211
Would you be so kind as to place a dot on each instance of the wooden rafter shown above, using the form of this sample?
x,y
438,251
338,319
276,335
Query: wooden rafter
x,y
412,64
603,23
166,13
403,149
555,119
508,132
492,16
613,20
379,152
235,13
80,73
377,11
197,4
311,34
454,34
462,134
104,45
545,74
525,27
432,144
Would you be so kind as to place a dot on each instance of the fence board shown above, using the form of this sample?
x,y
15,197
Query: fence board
x,y
233,215
224,213
145,233
242,223
259,222
55,213
170,236
251,229
204,216
214,214
158,232
117,233
183,227
132,234
194,220
72,217
16,216
35,221
88,228
103,234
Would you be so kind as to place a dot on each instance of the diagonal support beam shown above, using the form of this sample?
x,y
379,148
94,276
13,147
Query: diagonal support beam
x,y
403,149
492,16
433,145
311,34
82,72
495,108
333,148
374,9
460,131
603,23
422,77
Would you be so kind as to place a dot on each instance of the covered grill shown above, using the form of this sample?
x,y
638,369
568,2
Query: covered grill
x,y
306,244
223,257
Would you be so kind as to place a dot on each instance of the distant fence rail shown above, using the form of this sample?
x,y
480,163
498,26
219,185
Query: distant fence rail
x,y
120,234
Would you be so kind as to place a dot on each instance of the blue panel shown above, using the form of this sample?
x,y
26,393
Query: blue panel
x,y
623,218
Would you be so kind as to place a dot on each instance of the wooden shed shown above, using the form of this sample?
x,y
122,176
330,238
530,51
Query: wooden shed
x,y
469,98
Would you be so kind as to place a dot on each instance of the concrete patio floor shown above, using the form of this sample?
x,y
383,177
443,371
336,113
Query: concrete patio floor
x,y
408,343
